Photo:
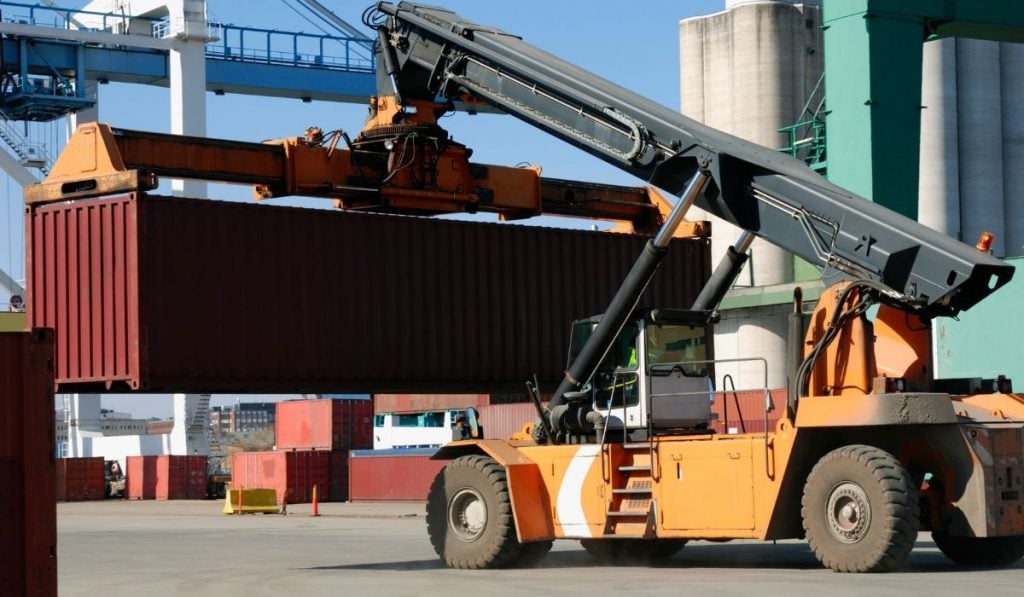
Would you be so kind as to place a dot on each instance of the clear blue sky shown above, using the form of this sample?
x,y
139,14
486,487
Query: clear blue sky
x,y
633,44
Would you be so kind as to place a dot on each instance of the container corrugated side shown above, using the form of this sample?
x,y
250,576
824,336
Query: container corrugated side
x,y
80,479
141,477
151,293
28,523
744,411
392,475
500,421
181,477
324,424
291,474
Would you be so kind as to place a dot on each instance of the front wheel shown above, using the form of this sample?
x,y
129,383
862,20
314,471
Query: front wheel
x,y
860,510
469,517
991,552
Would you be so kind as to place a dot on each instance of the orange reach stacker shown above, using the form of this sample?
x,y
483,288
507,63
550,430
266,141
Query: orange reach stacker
x,y
865,455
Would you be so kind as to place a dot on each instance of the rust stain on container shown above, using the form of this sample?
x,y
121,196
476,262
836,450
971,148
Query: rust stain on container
x,y
324,424
28,506
161,294
80,479
291,474
392,475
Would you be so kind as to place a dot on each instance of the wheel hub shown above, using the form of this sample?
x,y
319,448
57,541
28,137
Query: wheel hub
x,y
848,512
467,514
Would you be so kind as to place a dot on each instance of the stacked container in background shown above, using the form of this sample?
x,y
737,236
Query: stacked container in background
x,y
80,479
291,474
313,440
324,425
166,477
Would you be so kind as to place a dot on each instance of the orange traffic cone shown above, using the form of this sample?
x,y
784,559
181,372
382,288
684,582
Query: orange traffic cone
x,y
316,505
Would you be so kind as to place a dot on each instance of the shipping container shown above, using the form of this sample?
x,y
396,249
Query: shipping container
x,y
500,421
392,475
418,403
81,479
324,424
744,411
338,476
166,477
28,506
171,294
292,474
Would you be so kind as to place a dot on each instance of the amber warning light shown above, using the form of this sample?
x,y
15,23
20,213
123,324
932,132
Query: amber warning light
x,y
985,242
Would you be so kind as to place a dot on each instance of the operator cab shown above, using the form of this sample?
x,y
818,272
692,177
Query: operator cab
x,y
656,376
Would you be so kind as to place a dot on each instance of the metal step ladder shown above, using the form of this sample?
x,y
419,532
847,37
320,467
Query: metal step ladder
x,y
631,509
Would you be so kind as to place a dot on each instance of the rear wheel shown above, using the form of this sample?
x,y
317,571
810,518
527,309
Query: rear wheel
x,y
860,510
632,552
469,517
981,551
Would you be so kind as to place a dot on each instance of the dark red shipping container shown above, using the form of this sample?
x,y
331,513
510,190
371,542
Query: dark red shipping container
x,y
166,477
166,294
744,411
28,506
418,403
392,475
500,421
324,424
339,476
292,474
80,479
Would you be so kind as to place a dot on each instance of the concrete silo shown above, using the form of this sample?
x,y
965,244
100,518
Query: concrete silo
x,y
749,70
972,141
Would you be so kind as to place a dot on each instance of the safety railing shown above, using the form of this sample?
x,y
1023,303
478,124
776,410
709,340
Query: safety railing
x,y
226,42
269,46
72,18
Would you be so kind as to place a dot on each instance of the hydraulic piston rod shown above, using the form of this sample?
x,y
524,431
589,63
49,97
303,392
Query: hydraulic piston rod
x,y
625,300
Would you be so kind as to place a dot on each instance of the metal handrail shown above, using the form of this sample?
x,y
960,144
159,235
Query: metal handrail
x,y
354,54
305,49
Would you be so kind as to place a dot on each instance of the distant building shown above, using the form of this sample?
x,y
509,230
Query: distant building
x,y
220,420
242,417
111,424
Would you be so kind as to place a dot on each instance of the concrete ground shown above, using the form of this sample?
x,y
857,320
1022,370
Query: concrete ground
x,y
188,548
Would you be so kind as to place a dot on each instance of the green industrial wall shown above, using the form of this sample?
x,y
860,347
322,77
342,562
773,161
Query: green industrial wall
x,y
987,340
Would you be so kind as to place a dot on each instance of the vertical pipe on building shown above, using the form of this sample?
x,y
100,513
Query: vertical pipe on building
x,y
980,138
939,188
1012,64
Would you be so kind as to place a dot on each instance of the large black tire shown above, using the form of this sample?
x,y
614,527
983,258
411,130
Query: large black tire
x,y
860,510
988,552
469,517
632,552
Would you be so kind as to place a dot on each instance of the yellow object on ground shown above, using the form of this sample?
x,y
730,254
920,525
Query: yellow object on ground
x,y
243,501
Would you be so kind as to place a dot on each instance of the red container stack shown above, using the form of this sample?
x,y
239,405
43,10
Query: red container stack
x,y
166,477
392,475
80,479
28,510
291,474
324,424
